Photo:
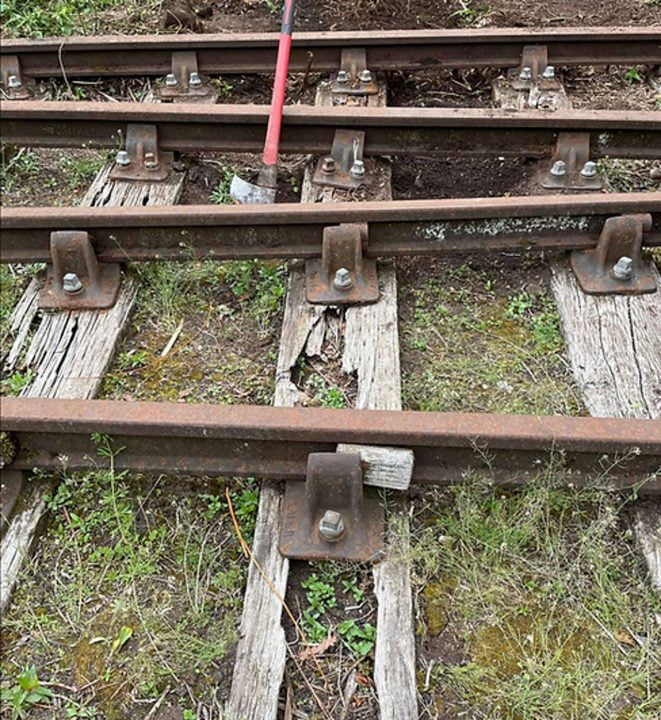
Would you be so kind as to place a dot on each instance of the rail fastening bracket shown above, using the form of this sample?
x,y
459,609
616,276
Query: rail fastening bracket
x,y
571,167
533,84
142,159
344,167
14,84
75,280
184,83
332,515
354,77
616,266
343,275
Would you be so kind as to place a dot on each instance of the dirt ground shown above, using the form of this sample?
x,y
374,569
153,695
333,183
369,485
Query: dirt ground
x,y
523,610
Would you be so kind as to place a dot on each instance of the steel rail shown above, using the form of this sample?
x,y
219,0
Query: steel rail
x,y
273,443
287,231
386,50
310,129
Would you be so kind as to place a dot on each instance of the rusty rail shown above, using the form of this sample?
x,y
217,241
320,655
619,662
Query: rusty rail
x,y
275,443
385,50
421,227
310,129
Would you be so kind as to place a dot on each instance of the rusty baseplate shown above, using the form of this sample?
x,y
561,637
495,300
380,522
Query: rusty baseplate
x,y
332,516
616,264
142,159
75,280
343,275
184,82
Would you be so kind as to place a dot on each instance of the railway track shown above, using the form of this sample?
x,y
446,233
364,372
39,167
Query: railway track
x,y
322,52
298,444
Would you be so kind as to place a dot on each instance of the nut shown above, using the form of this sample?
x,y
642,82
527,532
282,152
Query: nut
x,y
589,169
559,168
343,279
122,158
170,80
365,76
331,526
14,82
623,268
71,283
549,72
194,79
328,165
358,170
150,161
342,77
525,74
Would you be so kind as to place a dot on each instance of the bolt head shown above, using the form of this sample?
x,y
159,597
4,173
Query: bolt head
x,y
623,268
342,77
549,72
365,76
358,170
14,82
559,168
71,283
328,165
122,158
343,279
589,169
525,74
171,80
331,526
150,161
194,79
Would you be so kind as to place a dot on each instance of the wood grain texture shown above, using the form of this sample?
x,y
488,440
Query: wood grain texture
x,y
371,351
385,467
614,347
68,353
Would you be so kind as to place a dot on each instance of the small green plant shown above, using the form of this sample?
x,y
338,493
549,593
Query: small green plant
x,y
351,588
220,195
132,360
320,595
245,507
80,170
325,396
519,305
467,15
358,638
633,76
14,383
27,692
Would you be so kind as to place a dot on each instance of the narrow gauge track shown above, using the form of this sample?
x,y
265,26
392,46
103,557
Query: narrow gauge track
x,y
385,50
309,129
421,227
274,442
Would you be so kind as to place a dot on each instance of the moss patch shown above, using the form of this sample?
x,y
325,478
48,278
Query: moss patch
x,y
482,340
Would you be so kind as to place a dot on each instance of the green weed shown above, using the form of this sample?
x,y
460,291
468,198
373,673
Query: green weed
x,y
14,383
221,193
27,692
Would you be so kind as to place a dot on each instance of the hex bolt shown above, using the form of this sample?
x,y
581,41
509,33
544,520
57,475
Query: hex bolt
x,y
171,80
365,76
14,82
122,158
343,279
342,77
589,169
559,168
328,165
358,170
525,74
623,268
331,526
549,72
71,283
194,79
150,161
